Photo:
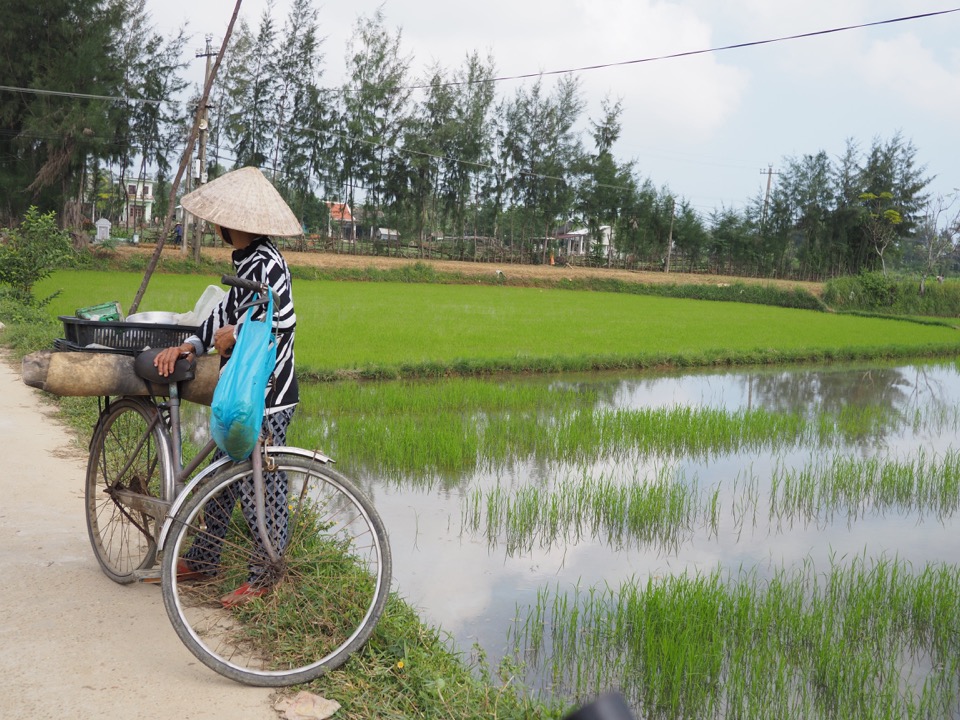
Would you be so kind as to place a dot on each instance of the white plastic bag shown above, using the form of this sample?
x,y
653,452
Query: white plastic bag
x,y
210,298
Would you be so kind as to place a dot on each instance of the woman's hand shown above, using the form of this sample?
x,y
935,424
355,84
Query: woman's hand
x,y
224,340
166,360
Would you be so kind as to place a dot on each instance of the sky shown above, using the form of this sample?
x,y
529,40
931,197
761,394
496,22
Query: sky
x,y
707,127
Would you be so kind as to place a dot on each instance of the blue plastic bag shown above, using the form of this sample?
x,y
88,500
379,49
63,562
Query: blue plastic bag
x,y
240,396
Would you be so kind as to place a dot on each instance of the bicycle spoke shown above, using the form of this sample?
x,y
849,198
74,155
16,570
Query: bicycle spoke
x,y
126,463
321,599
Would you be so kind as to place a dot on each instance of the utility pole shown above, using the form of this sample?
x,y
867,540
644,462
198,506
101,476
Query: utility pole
x,y
673,212
201,171
184,162
770,172
187,227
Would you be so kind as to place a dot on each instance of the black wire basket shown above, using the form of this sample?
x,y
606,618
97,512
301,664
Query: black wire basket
x,y
125,338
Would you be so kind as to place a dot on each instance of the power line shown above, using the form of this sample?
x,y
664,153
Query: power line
x,y
583,68
85,96
689,53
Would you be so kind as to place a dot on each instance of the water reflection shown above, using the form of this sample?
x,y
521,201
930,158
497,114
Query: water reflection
x,y
472,583
426,451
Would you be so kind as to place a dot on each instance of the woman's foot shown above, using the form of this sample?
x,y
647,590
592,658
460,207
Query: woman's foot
x,y
185,571
242,595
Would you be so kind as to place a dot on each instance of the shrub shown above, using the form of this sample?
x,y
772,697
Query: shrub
x,y
31,252
892,295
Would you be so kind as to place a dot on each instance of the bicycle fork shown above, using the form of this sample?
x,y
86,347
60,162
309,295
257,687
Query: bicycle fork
x,y
259,493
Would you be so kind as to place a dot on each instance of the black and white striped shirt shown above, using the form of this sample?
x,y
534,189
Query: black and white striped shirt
x,y
262,262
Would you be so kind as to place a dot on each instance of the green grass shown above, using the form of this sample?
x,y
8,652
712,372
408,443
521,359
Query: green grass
x,y
456,426
415,330
839,642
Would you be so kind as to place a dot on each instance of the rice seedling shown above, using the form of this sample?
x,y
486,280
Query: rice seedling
x,y
869,638
820,489
659,512
447,429
661,509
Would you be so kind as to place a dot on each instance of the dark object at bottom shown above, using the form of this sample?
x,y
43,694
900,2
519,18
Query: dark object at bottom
x,y
610,706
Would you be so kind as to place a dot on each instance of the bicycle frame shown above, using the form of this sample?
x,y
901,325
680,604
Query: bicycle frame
x,y
174,481
182,497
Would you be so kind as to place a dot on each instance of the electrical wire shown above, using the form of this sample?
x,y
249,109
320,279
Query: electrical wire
x,y
85,96
689,53
568,71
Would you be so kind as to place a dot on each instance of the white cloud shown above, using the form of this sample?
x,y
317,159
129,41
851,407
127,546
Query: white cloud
x,y
695,94
906,71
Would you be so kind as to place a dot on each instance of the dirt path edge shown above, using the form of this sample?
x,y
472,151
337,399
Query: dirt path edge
x,y
75,644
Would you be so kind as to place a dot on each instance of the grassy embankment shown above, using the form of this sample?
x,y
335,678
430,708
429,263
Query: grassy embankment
x,y
391,330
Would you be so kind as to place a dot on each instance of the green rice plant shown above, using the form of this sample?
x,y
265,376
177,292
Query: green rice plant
x,y
658,511
745,503
858,486
868,639
411,329
446,429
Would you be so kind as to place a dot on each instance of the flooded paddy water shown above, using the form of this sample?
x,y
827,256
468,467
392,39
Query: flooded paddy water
x,y
775,542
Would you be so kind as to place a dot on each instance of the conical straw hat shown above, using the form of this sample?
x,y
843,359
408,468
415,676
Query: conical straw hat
x,y
243,200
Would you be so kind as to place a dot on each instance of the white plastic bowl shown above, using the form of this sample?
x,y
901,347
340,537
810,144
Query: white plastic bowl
x,y
160,317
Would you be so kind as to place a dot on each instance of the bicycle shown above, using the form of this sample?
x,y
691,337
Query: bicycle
x,y
328,584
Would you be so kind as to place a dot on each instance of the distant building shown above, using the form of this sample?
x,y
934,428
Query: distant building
x,y
387,234
138,208
579,242
340,222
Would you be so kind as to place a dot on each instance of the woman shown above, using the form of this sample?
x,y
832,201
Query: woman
x,y
245,209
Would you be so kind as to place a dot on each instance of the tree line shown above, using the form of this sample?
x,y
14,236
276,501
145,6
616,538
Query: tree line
x,y
441,158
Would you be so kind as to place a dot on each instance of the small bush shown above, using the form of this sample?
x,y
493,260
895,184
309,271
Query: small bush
x,y
31,252
29,326
891,295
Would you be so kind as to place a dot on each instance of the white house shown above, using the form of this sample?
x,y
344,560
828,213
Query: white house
x,y
388,234
138,209
579,242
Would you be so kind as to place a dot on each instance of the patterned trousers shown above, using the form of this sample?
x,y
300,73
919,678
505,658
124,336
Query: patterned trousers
x,y
204,554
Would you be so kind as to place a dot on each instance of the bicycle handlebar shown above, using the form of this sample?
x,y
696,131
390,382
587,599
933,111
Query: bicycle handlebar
x,y
242,283
262,289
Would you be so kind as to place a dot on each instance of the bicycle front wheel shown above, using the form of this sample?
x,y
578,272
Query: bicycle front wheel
x,y
128,455
323,596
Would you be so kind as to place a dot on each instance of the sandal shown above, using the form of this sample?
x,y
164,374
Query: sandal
x,y
185,573
242,595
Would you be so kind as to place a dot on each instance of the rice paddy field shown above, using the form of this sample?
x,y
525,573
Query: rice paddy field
x,y
753,543
385,329
739,542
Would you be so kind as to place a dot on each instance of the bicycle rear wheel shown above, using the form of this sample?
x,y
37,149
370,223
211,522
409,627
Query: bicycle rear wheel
x,y
128,454
326,591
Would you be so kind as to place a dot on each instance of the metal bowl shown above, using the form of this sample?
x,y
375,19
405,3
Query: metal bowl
x,y
154,316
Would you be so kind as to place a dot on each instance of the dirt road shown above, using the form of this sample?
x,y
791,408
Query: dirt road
x,y
73,644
